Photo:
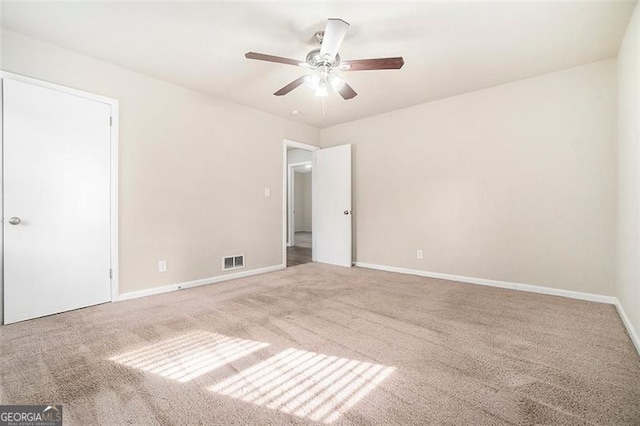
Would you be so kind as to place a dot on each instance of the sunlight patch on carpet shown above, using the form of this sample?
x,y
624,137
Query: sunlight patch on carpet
x,y
185,357
306,384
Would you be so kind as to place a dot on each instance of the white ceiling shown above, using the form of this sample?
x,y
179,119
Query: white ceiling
x,y
449,47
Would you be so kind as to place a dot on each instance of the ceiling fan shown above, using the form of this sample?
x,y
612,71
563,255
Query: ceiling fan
x,y
325,61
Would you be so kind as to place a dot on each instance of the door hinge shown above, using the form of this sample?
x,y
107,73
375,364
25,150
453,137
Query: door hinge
x,y
111,273
110,121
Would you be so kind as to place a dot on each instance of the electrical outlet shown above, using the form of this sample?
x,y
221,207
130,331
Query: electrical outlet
x,y
267,192
419,254
162,266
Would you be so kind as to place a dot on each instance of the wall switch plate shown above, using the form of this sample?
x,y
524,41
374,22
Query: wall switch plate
x,y
267,192
419,254
162,266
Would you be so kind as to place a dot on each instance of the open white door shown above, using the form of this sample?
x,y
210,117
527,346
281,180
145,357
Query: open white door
x,y
56,201
331,217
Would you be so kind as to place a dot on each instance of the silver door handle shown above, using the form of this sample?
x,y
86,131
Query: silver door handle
x,y
14,220
347,212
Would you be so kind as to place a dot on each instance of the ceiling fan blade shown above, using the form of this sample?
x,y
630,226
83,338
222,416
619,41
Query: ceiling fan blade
x,y
271,58
372,64
347,91
334,33
289,87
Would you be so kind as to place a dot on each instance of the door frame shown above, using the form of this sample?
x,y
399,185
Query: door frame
x,y
291,197
285,196
114,104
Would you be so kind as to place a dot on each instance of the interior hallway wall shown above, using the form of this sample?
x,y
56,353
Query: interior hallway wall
x,y
302,197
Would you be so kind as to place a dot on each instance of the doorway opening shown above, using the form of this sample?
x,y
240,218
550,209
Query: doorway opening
x,y
331,237
298,189
299,247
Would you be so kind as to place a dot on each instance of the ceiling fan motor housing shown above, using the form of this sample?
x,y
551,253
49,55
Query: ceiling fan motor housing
x,y
316,60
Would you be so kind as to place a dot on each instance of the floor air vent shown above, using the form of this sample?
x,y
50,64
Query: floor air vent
x,y
233,262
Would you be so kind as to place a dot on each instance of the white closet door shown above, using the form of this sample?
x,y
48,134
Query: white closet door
x,y
56,201
331,205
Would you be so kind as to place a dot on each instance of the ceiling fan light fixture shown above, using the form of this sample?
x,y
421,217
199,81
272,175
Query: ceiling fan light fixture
x,y
312,81
322,91
336,82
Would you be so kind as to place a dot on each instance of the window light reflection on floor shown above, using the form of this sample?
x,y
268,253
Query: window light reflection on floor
x,y
306,384
185,357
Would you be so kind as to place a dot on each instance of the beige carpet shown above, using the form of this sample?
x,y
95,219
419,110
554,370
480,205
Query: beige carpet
x,y
327,344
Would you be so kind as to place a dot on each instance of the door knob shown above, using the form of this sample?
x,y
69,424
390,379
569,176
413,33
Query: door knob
x,y
347,212
14,220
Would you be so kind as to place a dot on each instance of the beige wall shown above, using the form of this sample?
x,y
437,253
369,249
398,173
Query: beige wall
x,y
192,168
628,274
302,201
513,183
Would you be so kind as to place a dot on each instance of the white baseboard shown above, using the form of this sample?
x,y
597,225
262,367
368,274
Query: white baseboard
x,y
521,287
493,283
633,333
196,283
